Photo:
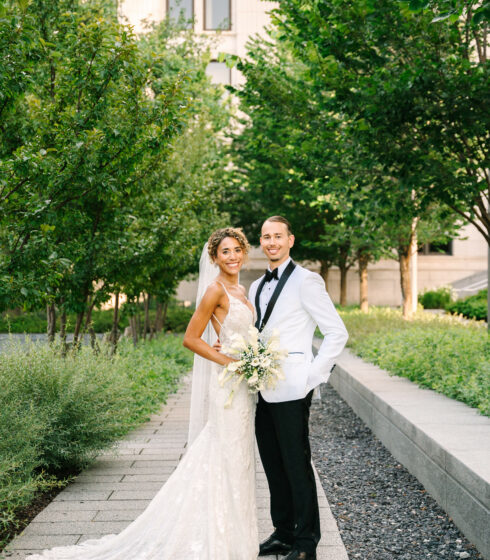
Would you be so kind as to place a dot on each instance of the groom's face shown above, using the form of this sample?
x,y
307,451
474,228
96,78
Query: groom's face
x,y
276,242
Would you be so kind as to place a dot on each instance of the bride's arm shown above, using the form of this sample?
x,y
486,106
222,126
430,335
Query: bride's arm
x,y
197,324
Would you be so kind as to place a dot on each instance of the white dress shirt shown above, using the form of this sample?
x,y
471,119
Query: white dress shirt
x,y
269,287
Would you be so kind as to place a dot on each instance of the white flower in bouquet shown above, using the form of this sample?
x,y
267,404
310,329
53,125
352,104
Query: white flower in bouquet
x,y
253,341
258,362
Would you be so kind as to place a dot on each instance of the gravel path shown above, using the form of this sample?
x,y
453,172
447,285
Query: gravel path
x,y
382,511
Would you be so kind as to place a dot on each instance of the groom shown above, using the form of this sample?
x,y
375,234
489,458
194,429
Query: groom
x,y
293,300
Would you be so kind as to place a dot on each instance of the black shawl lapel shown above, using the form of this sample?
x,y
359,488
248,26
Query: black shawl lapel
x,y
260,324
257,302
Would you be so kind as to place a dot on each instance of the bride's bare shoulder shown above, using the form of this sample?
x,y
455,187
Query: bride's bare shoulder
x,y
214,291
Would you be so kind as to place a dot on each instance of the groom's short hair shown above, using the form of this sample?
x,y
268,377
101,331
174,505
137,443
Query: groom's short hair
x,y
281,220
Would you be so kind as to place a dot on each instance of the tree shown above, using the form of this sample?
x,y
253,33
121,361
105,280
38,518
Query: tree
x,y
104,148
383,83
81,129
278,150
474,11
178,203
300,152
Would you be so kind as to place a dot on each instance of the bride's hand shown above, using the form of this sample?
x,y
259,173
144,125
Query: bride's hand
x,y
217,346
230,360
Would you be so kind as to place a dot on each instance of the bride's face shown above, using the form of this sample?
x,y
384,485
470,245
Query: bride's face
x,y
229,256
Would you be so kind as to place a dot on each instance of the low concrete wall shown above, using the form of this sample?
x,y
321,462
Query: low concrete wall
x,y
442,442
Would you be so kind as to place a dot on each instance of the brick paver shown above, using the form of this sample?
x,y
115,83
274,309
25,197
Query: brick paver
x,y
110,494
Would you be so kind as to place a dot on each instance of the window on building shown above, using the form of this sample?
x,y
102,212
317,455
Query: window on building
x,y
217,14
219,72
436,248
181,10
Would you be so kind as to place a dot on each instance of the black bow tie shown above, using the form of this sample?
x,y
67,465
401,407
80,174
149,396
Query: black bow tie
x,y
270,275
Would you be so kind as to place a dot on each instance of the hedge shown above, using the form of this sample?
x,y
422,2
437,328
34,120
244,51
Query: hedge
x,y
473,307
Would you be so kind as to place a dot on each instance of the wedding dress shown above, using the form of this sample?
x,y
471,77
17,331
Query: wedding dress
x,y
206,509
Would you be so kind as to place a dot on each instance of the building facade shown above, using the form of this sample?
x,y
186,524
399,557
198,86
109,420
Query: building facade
x,y
230,22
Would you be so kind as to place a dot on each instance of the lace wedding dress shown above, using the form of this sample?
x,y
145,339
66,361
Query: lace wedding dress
x,y
206,509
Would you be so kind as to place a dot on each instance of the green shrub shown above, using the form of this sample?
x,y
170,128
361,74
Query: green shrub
x,y
14,322
436,299
438,352
21,433
102,321
177,319
473,307
57,413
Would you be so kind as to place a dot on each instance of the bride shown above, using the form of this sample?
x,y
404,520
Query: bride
x,y
206,509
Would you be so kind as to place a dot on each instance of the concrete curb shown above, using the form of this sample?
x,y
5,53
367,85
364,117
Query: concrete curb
x,y
442,442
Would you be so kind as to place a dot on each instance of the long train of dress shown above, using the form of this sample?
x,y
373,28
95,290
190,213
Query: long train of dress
x,y
206,509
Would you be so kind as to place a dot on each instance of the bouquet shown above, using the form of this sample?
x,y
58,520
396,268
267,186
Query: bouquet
x,y
258,362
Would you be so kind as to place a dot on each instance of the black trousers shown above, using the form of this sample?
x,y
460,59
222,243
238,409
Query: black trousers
x,y
282,437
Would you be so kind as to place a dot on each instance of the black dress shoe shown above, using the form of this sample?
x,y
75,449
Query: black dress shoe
x,y
274,546
298,555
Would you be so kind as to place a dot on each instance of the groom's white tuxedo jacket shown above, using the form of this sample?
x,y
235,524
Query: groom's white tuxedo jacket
x,y
302,305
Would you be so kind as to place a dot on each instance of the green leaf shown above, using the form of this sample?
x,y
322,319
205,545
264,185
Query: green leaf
x,y
442,17
23,5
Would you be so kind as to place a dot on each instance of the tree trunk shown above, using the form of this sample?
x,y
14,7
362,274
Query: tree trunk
x,y
158,324
88,319
89,327
78,328
64,346
146,326
152,330
404,260
343,264
414,267
134,328
79,321
137,318
363,282
51,320
63,327
164,316
115,321
343,285
324,268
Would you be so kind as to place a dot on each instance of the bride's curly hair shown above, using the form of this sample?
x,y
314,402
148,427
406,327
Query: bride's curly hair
x,y
217,237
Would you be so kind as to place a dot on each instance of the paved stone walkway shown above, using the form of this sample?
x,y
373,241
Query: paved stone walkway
x,y
110,494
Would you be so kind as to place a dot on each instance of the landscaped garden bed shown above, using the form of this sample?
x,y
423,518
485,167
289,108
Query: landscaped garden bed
x,y
58,412
438,352
472,307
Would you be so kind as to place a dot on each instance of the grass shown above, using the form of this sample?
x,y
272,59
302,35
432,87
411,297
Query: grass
x,y
57,414
438,352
